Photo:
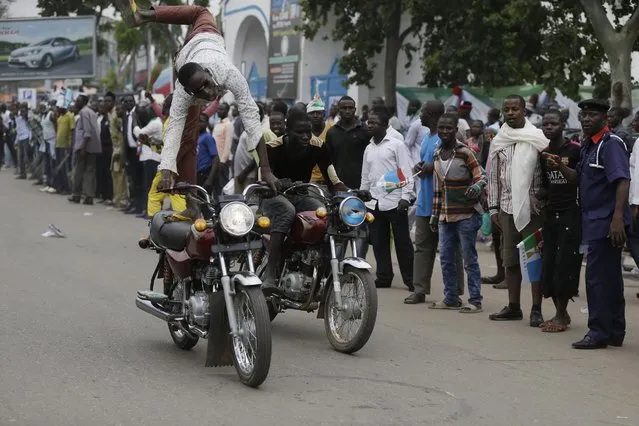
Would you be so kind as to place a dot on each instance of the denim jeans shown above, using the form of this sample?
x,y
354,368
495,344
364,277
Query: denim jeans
x,y
451,235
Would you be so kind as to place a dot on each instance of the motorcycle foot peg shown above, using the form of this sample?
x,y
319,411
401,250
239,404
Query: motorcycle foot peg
x,y
152,296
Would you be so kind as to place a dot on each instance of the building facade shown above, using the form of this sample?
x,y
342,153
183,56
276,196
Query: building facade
x,y
246,27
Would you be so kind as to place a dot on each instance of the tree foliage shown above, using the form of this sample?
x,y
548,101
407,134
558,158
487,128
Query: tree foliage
x,y
4,8
558,43
366,29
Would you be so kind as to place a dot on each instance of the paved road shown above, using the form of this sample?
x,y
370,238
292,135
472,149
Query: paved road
x,y
76,351
68,69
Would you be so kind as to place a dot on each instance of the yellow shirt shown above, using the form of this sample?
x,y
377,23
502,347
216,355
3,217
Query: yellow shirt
x,y
66,124
317,176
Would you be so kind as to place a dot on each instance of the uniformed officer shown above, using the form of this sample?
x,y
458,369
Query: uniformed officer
x,y
604,181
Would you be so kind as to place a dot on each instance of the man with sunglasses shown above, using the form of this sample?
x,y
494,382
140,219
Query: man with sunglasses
x,y
205,72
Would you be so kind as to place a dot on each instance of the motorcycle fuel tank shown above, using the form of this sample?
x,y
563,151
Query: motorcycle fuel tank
x,y
308,228
199,244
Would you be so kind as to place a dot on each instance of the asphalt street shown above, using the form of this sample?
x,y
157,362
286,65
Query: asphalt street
x,y
76,351
67,69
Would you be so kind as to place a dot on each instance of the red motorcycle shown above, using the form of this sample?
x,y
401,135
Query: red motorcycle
x,y
204,294
316,276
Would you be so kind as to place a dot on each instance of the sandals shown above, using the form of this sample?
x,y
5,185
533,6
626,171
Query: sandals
x,y
444,305
552,327
469,308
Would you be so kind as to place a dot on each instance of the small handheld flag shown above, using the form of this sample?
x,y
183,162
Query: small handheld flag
x,y
530,257
392,180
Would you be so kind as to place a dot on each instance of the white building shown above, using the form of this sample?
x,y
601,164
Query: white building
x,y
246,26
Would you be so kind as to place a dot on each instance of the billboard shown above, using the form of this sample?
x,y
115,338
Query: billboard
x,y
47,48
284,49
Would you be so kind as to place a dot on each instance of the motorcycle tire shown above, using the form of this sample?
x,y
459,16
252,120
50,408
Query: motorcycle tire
x,y
369,313
260,329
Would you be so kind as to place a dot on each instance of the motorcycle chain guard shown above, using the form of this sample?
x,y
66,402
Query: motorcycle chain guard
x,y
219,351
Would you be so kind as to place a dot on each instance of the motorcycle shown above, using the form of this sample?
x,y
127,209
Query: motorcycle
x,y
203,296
314,277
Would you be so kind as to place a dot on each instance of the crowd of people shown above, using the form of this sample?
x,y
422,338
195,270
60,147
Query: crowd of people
x,y
107,149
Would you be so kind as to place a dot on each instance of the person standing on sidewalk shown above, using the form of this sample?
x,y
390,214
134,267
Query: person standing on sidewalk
x,y
561,260
65,123
603,174
384,154
204,71
23,135
514,185
459,181
118,158
426,241
87,146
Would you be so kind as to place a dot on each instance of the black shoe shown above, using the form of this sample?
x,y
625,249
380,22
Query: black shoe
x,y
501,286
382,285
74,199
507,314
132,210
415,299
410,287
142,215
536,319
589,343
38,183
492,280
616,343
21,177
88,201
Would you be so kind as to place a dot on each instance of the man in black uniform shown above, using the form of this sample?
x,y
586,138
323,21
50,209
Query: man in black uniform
x,y
292,158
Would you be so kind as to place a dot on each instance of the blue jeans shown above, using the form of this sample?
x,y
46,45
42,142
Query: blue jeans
x,y
451,235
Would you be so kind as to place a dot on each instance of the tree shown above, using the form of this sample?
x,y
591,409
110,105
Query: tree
x,y
4,8
366,29
617,41
483,43
80,8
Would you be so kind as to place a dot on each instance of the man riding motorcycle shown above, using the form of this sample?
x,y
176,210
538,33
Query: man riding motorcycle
x,y
292,158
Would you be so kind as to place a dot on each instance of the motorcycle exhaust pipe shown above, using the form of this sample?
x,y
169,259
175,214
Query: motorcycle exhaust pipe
x,y
149,308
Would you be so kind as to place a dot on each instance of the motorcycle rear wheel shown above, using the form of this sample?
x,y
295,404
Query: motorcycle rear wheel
x,y
252,349
354,282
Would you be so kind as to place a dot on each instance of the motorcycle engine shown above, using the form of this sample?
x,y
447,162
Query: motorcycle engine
x,y
198,309
299,277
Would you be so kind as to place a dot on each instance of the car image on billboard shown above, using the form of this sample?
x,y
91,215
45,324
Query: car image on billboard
x,y
47,48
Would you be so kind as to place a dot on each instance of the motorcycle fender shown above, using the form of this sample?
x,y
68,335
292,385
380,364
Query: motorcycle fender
x,y
247,279
355,262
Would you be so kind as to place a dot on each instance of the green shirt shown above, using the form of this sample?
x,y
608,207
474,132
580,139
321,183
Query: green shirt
x,y
66,123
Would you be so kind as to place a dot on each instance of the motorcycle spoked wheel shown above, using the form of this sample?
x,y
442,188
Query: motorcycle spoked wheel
x,y
349,330
260,270
252,348
182,339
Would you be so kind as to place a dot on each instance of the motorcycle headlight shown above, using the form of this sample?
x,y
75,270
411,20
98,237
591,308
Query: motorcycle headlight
x,y
237,219
352,211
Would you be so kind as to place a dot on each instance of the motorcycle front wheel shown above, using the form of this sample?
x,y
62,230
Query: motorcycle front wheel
x,y
349,329
252,347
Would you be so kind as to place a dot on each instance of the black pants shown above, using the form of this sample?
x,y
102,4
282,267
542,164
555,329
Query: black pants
x,y
135,170
150,169
380,230
104,180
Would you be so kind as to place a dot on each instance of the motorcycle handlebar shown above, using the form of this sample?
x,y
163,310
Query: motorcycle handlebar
x,y
184,187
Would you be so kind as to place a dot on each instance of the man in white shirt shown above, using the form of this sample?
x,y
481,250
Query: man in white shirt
x,y
386,154
633,199
205,72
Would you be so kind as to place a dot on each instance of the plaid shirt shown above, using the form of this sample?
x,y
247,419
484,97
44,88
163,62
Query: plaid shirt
x,y
499,182
450,203
36,128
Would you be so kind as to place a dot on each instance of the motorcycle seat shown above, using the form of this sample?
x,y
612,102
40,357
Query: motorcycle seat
x,y
169,235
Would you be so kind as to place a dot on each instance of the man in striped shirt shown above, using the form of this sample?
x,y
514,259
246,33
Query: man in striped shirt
x,y
514,221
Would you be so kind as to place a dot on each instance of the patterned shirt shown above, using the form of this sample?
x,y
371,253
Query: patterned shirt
x,y
453,177
207,49
36,128
499,181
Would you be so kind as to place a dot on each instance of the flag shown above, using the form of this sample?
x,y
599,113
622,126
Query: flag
x,y
530,257
392,180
